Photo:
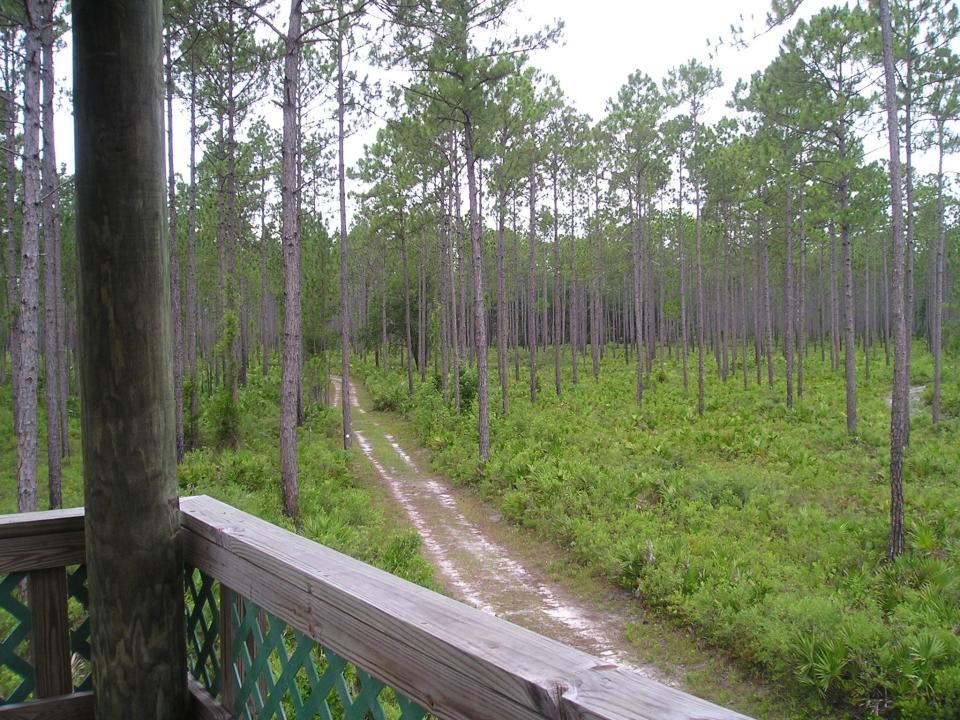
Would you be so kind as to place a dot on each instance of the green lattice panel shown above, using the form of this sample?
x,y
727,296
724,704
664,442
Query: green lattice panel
x,y
203,629
78,605
16,672
281,674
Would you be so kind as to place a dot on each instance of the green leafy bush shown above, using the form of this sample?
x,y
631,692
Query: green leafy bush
x,y
763,530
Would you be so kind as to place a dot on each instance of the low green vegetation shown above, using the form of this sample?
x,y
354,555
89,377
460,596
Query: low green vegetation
x,y
342,506
763,530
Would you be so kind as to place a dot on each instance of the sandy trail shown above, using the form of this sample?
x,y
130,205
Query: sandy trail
x,y
476,567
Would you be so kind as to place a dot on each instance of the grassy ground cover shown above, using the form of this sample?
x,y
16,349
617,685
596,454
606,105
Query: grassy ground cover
x,y
763,530
342,504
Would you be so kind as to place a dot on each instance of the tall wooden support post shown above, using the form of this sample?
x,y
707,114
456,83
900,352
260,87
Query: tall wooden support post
x,y
126,364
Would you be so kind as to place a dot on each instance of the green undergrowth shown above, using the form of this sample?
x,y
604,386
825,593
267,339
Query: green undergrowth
x,y
761,529
341,506
71,468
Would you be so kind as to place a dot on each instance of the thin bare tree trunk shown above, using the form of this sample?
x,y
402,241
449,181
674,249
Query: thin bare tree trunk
x,y
743,318
834,303
50,208
192,305
701,313
290,232
788,320
849,332
454,312
479,309
886,307
757,302
10,212
344,278
574,305
595,310
866,320
264,286
502,302
29,301
9,220
802,312
638,295
557,297
938,281
683,276
174,266
901,323
406,307
767,310
532,282
422,314
909,220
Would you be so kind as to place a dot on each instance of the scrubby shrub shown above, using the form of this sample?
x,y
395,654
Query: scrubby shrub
x,y
764,530
223,418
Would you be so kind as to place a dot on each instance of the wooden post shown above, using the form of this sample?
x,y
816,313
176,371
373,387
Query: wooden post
x,y
50,640
126,372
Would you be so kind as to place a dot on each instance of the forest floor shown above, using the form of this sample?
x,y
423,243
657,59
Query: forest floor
x,y
489,563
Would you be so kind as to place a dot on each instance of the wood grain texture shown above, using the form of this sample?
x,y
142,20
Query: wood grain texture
x,y
204,706
454,660
134,564
46,522
75,706
50,635
37,540
36,552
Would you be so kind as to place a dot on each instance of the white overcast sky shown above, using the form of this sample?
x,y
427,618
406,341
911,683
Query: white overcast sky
x,y
603,42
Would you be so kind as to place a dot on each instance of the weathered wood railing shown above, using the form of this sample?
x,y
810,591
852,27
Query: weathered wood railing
x,y
44,628
281,627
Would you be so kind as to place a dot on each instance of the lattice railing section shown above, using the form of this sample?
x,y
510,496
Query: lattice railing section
x,y
16,670
203,629
278,672
275,672
17,674
78,612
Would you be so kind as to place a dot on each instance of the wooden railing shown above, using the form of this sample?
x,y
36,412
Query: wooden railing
x,y
281,627
44,628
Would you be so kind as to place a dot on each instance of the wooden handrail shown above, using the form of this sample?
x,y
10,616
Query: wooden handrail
x,y
455,661
42,545
40,540
452,659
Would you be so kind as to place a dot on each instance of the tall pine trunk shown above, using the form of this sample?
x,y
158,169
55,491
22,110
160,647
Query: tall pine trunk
x,y
480,329
290,232
25,391
406,307
532,281
557,303
849,332
174,266
900,321
192,325
344,289
502,321
938,280
788,319
638,294
701,312
50,209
